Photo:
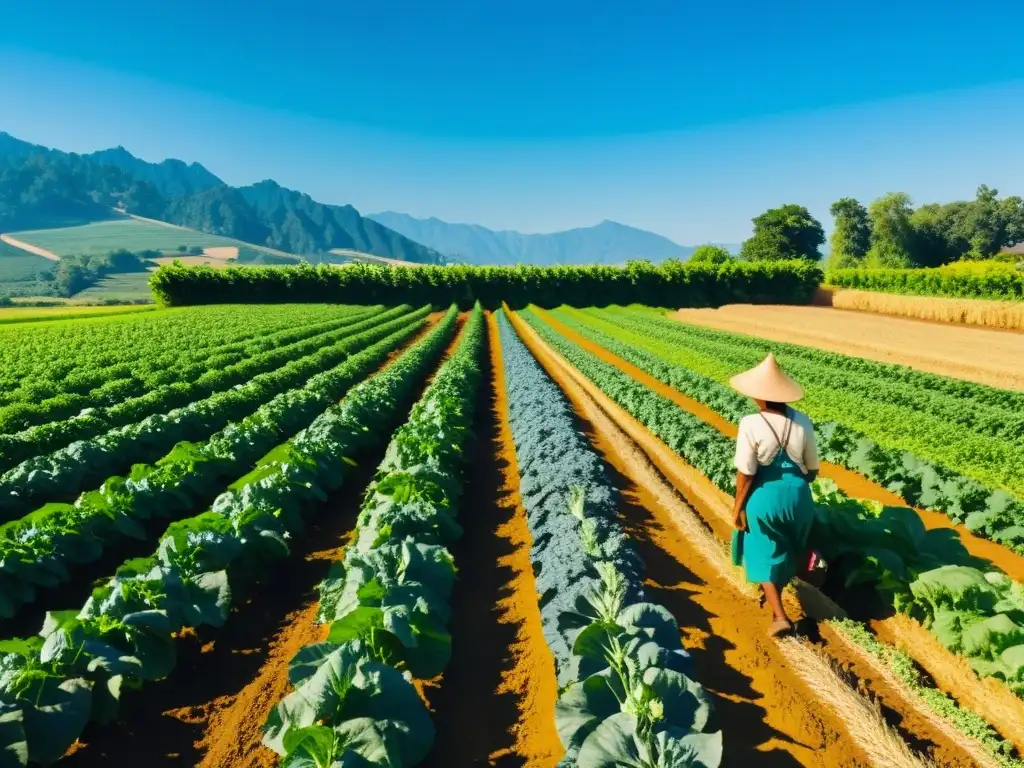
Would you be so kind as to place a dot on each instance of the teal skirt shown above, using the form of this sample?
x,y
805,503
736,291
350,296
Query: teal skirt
x,y
780,514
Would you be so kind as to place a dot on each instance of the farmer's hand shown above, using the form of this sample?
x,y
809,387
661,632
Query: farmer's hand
x,y
739,521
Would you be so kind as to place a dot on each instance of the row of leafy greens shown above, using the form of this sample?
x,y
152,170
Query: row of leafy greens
x,y
919,571
43,360
627,694
45,438
113,384
387,600
52,685
42,549
994,514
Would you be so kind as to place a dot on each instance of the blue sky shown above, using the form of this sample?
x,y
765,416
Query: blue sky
x,y
684,118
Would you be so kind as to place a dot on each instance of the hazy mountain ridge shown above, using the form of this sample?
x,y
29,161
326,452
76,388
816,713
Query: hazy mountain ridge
x,y
606,243
42,187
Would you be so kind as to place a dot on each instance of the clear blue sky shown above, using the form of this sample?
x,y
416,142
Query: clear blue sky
x,y
685,118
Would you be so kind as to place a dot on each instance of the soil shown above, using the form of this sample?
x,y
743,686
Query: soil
x,y
210,712
741,626
495,702
853,484
983,355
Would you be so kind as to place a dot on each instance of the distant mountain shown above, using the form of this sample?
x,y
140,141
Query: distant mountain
x,y
172,178
604,243
42,187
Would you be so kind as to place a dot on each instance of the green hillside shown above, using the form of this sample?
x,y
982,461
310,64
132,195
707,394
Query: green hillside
x,y
131,234
20,272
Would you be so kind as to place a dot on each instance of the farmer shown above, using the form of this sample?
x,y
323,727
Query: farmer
x,y
776,460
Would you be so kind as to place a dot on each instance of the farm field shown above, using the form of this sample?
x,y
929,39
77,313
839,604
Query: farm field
x,y
313,534
104,236
977,354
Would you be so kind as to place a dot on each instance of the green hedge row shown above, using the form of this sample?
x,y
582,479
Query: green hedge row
x,y
673,284
998,281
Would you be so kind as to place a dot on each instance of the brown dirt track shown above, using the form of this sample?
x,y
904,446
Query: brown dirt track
x,y
899,705
983,355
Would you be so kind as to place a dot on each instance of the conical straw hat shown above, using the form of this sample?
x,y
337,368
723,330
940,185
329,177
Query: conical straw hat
x,y
767,381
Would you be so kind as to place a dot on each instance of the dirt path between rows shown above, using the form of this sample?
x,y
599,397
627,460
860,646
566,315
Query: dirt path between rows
x,y
495,702
29,248
211,711
856,486
999,707
983,355
808,711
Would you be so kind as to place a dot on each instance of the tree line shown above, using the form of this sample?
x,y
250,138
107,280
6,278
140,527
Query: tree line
x,y
889,232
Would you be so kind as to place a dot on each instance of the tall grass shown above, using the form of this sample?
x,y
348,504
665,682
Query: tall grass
x,y
981,312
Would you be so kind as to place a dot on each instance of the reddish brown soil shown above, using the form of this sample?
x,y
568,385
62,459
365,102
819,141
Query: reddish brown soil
x,y
850,482
210,712
735,626
495,702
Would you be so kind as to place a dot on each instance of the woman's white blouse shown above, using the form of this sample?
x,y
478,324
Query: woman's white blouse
x,y
756,445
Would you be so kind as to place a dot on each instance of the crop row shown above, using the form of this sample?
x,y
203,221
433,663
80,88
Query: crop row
x,y
974,410
916,570
106,385
42,549
627,693
994,514
58,351
168,396
992,461
47,438
387,601
62,473
74,671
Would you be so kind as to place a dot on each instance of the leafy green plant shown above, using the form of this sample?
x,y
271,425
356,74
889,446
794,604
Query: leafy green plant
x,y
124,633
386,602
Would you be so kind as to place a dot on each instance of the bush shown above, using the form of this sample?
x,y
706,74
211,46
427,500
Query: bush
x,y
670,285
989,279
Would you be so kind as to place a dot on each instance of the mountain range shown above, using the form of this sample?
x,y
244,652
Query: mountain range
x,y
42,187
606,243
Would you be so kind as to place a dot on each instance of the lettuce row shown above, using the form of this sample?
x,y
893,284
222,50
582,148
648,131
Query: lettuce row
x,y
40,360
975,429
387,601
994,514
128,380
925,573
42,549
17,447
63,473
165,365
627,693
52,685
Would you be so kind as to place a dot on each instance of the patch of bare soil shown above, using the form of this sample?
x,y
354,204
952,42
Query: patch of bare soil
x,y
983,355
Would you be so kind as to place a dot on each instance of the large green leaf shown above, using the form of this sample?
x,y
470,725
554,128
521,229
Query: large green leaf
x,y
616,744
55,713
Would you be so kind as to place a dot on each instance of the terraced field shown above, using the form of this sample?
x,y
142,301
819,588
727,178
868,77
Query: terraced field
x,y
319,535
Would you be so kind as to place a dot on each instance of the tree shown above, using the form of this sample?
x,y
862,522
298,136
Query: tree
x,y
789,232
892,236
851,238
710,254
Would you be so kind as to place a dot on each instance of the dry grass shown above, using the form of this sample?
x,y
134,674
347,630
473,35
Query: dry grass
x,y
864,722
981,312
